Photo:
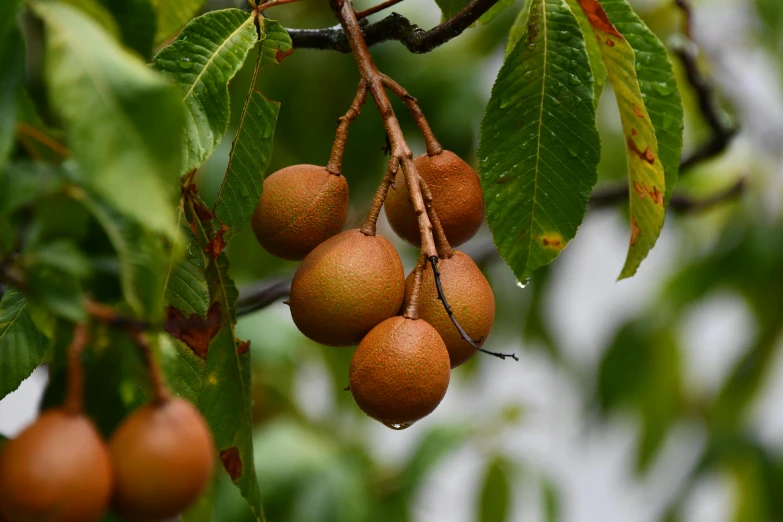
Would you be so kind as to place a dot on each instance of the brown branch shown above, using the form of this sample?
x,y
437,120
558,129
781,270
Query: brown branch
x,y
42,138
374,80
433,147
335,164
368,228
259,295
274,3
394,27
377,8
679,203
75,390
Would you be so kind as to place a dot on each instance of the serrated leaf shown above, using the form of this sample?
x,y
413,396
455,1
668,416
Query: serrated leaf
x,y
517,30
22,344
659,87
201,61
539,146
137,23
183,369
123,121
495,494
140,253
593,50
186,285
12,58
647,180
252,147
172,15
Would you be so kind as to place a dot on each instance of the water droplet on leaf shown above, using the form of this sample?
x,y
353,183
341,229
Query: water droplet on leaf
x,y
185,63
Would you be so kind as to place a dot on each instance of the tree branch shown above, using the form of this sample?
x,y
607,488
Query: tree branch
x,y
394,27
263,293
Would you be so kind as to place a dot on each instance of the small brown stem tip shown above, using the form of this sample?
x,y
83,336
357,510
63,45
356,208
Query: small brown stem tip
x,y
75,390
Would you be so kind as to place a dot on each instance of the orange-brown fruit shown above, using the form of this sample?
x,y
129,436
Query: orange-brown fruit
x,y
57,470
301,207
163,459
456,198
400,371
470,297
345,287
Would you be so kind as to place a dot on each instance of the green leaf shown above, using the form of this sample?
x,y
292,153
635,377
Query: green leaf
x,y
186,285
659,87
172,15
99,14
539,146
518,29
552,501
252,147
647,179
593,49
12,57
25,182
495,495
22,344
140,253
495,10
124,122
137,22
63,255
451,7
183,369
208,52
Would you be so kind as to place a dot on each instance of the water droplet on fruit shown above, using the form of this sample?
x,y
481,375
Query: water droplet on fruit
x,y
523,283
399,427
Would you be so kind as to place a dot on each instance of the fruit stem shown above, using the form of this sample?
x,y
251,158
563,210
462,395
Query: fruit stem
x,y
335,164
463,334
441,241
73,394
412,306
433,147
369,226
160,393
344,12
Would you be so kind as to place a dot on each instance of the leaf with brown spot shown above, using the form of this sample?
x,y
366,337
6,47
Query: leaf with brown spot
x,y
643,169
243,347
194,330
232,462
217,243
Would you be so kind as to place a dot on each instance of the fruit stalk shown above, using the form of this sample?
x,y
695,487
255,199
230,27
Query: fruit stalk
x,y
441,242
433,147
368,228
160,391
412,305
73,395
369,72
335,164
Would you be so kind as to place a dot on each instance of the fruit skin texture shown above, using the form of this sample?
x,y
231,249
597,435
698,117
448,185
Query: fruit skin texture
x,y
456,197
301,207
163,459
400,371
345,287
470,297
57,470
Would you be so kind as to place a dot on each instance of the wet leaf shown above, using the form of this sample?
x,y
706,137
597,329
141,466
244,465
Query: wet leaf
x,y
645,171
186,285
658,85
252,148
593,49
201,61
123,120
539,146
22,344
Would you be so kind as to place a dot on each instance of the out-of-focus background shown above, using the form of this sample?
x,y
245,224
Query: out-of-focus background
x,y
651,399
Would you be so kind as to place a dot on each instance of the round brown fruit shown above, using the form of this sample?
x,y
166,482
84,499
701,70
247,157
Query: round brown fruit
x,y
456,198
470,297
345,287
400,371
57,470
301,207
163,459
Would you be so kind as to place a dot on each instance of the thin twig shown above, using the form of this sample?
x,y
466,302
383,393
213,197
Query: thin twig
x,y
433,147
369,226
42,138
394,27
375,9
463,334
335,164
274,3
688,15
111,317
374,80
75,391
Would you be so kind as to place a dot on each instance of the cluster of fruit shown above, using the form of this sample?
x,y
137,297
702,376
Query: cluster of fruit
x,y
60,469
351,286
